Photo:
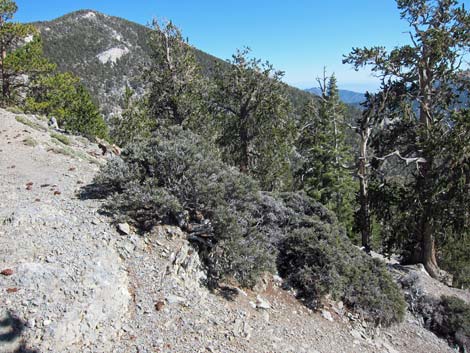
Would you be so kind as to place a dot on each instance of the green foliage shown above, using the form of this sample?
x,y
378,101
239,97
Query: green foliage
x,y
133,122
253,114
325,155
61,138
32,124
22,55
420,86
318,260
29,141
173,78
156,180
454,322
64,97
175,175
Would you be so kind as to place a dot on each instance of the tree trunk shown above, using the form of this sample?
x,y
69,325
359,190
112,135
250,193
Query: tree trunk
x,y
363,174
244,147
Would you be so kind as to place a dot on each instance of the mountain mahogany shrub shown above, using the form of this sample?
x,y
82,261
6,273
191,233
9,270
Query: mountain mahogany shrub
x,y
452,320
319,259
156,180
176,173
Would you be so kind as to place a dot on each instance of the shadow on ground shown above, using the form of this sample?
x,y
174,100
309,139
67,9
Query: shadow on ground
x,y
11,328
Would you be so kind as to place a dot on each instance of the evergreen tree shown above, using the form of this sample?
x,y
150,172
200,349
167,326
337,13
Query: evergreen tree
x,y
21,53
326,157
254,118
173,78
133,123
64,97
419,82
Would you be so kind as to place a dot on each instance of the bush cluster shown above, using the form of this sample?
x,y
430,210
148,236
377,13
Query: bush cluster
x,y
317,259
176,176
175,173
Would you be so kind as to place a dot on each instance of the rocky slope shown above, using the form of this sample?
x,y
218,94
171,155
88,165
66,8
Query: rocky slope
x,y
70,282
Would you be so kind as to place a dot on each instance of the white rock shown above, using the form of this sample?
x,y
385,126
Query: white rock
x,y
174,299
124,228
327,315
112,55
262,303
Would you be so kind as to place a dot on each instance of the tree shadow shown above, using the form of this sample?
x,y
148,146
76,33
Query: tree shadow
x,y
14,328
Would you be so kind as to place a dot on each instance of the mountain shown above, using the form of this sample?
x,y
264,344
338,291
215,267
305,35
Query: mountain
x,y
348,97
108,52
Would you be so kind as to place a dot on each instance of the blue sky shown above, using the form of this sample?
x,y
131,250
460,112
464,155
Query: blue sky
x,y
299,37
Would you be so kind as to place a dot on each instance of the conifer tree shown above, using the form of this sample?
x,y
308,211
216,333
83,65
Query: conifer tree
x,y
420,83
134,121
64,97
254,118
326,159
173,78
21,53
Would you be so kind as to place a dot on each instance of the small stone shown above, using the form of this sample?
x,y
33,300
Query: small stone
x,y
31,323
47,322
327,315
124,228
278,280
356,334
262,303
7,272
174,299
159,305
57,192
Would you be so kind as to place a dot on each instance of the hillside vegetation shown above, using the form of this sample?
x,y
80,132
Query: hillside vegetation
x,y
108,54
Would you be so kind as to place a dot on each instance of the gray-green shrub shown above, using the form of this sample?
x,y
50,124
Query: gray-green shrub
x,y
177,173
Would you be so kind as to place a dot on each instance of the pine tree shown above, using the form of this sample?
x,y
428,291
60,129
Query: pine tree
x,y
326,158
64,97
134,122
254,118
419,85
173,78
21,53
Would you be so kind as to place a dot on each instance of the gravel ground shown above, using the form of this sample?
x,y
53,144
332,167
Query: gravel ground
x,y
71,283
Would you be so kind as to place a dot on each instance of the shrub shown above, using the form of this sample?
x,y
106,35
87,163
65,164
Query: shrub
x,y
319,259
32,124
452,321
61,138
176,175
175,171
447,317
63,96
29,141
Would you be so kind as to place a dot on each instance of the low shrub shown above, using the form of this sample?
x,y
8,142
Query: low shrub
x,y
447,317
176,177
319,260
175,171
32,124
61,138
30,141
452,321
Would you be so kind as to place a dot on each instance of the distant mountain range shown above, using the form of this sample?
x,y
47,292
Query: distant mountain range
x,y
348,97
